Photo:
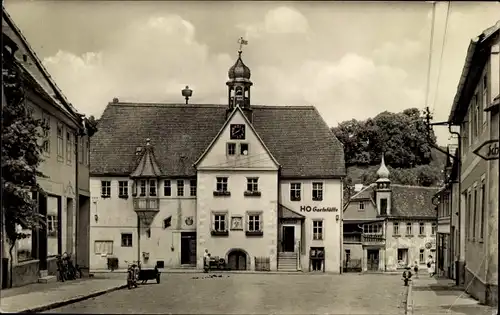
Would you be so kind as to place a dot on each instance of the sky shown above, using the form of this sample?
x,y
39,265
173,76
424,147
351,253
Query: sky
x,y
349,59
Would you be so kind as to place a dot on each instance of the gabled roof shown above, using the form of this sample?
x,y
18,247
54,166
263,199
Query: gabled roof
x,y
474,63
297,136
147,166
408,201
235,110
365,193
286,213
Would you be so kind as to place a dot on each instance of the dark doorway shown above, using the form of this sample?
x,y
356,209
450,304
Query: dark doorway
x,y
373,258
188,248
237,260
83,230
41,239
288,239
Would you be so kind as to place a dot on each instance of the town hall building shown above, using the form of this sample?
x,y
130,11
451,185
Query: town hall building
x,y
257,186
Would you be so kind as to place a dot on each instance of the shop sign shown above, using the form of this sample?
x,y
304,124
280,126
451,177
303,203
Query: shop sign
x,y
488,150
318,209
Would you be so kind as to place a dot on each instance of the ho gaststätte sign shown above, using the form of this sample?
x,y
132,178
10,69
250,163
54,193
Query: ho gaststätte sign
x,y
488,150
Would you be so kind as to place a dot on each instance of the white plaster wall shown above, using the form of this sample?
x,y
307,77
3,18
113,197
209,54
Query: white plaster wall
x,y
117,216
237,204
332,229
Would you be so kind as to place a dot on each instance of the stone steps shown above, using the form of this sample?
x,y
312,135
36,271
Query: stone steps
x,y
287,261
47,279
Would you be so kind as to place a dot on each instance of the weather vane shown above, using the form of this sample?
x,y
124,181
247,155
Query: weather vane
x,y
242,42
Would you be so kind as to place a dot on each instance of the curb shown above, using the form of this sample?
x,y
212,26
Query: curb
x,y
409,300
76,299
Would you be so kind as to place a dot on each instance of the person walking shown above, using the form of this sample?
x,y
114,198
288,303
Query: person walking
x,y
415,269
431,266
206,260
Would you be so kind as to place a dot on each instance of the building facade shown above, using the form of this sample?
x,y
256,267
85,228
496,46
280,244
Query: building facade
x,y
389,227
246,182
66,147
475,110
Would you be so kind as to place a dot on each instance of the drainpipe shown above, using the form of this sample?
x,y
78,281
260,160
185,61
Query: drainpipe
x,y
459,161
278,239
77,198
138,238
341,224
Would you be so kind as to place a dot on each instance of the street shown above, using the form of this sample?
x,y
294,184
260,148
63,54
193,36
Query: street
x,y
253,294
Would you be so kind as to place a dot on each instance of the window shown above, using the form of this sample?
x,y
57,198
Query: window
x,y
421,256
87,152
152,187
395,228
347,254
469,209
383,206
254,222
220,220
46,133
485,99
80,150
317,192
126,239
69,146
60,143
103,247
421,228
317,230
243,148
123,188
470,122
372,229
221,184
474,214
167,188
361,205
252,184
475,103
105,188
408,229
142,187
402,257
231,148
295,191
433,229
52,225
483,209
192,187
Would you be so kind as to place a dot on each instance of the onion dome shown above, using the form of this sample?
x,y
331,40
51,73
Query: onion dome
x,y
383,171
239,70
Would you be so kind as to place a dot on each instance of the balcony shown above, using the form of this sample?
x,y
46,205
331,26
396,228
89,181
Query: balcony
x,y
146,203
372,239
352,237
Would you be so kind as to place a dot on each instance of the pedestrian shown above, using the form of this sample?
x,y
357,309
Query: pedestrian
x,y
431,265
206,260
415,269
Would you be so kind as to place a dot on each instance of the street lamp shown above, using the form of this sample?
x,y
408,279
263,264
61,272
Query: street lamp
x,y
187,93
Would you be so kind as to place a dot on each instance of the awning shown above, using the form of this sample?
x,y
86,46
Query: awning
x,y
286,213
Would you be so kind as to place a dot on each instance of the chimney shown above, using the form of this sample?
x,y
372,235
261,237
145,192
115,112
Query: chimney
x,y
358,187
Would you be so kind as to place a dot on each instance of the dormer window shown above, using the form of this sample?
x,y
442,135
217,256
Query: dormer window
x,y
383,206
361,205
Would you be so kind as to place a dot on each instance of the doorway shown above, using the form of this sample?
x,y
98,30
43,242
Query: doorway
x,y
237,260
373,259
188,248
69,225
288,238
402,257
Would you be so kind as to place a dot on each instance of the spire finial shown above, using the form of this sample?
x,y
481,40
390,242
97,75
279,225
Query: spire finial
x,y
242,42
383,171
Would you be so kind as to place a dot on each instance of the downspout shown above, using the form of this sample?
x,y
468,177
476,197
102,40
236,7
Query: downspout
x,y
459,161
138,239
278,238
77,195
341,224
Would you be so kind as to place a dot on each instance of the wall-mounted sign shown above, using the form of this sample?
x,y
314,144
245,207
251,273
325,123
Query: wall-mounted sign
x,y
428,245
189,221
488,150
318,209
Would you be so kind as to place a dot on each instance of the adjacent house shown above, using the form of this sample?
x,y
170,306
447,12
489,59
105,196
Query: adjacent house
x,y
389,227
259,187
475,110
66,147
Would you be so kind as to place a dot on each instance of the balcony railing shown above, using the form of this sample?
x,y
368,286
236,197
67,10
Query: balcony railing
x,y
142,203
372,238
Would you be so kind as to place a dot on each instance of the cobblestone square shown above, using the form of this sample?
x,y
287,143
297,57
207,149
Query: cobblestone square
x,y
254,294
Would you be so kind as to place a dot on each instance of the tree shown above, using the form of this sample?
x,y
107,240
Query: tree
x,y
21,156
402,137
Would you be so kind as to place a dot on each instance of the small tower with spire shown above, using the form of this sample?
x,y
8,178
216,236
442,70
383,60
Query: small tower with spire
x,y
239,82
383,190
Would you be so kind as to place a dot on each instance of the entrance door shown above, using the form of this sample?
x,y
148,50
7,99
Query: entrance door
x,y
288,239
373,258
188,248
237,260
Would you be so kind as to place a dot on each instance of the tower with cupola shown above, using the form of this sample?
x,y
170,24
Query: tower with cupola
x,y
239,84
383,190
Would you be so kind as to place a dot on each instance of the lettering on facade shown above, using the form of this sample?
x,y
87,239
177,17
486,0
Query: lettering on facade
x,y
488,150
318,209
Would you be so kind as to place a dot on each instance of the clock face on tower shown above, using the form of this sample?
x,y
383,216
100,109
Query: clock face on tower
x,y
237,131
